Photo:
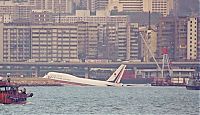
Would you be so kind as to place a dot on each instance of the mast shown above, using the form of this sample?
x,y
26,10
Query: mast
x,y
149,28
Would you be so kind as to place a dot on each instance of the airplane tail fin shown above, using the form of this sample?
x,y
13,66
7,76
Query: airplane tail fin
x,y
117,75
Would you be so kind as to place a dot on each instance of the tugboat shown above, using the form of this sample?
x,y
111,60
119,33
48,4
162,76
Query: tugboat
x,y
194,83
10,93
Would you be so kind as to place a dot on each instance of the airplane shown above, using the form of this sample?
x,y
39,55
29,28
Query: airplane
x,y
114,79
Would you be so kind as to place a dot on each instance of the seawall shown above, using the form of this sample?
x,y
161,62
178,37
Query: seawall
x,y
34,81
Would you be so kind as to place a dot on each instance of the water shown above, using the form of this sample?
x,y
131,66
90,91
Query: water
x,y
142,100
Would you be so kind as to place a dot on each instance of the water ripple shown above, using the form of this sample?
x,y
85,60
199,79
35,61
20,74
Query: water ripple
x,y
107,100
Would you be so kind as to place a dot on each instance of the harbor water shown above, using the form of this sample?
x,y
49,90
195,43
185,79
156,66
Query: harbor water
x,y
71,100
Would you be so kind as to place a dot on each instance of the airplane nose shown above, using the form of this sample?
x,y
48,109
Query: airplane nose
x,y
46,76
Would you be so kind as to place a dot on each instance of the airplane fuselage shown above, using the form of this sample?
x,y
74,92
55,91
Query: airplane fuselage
x,y
70,79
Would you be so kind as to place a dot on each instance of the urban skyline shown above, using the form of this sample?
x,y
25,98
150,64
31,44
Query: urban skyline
x,y
80,30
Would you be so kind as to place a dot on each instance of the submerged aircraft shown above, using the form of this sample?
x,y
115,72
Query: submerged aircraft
x,y
114,79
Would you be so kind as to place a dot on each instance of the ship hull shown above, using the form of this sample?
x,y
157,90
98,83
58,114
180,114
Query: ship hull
x,y
193,87
10,93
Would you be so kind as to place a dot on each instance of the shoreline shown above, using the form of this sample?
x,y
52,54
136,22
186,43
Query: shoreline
x,y
34,81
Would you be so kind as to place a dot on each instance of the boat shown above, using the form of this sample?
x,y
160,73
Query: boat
x,y
10,93
194,83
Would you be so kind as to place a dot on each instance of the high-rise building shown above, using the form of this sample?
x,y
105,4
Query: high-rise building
x,y
132,5
101,4
54,42
1,42
122,41
165,36
22,13
57,6
92,41
15,42
161,6
42,43
192,38
181,38
14,12
82,5
94,5
198,40
87,40
133,42
112,34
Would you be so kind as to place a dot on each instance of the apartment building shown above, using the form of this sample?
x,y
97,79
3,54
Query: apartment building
x,y
122,41
56,6
102,41
110,38
15,42
43,43
111,28
14,12
192,33
101,4
161,6
54,42
181,38
92,41
166,36
134,43
87,40
132,5
93,5
85,16
198,40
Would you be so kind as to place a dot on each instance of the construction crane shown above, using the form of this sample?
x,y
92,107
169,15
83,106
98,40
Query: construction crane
x,y
165,60
143,38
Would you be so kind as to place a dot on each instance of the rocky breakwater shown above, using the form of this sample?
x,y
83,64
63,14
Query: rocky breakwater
x,y
34,81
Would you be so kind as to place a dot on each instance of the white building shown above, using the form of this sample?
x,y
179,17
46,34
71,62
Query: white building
x,y
132,5
161,6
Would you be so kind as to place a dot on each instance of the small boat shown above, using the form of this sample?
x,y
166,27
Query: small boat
x,y
10,93
194,83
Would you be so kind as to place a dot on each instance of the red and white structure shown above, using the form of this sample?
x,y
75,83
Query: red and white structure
x,y
165,62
